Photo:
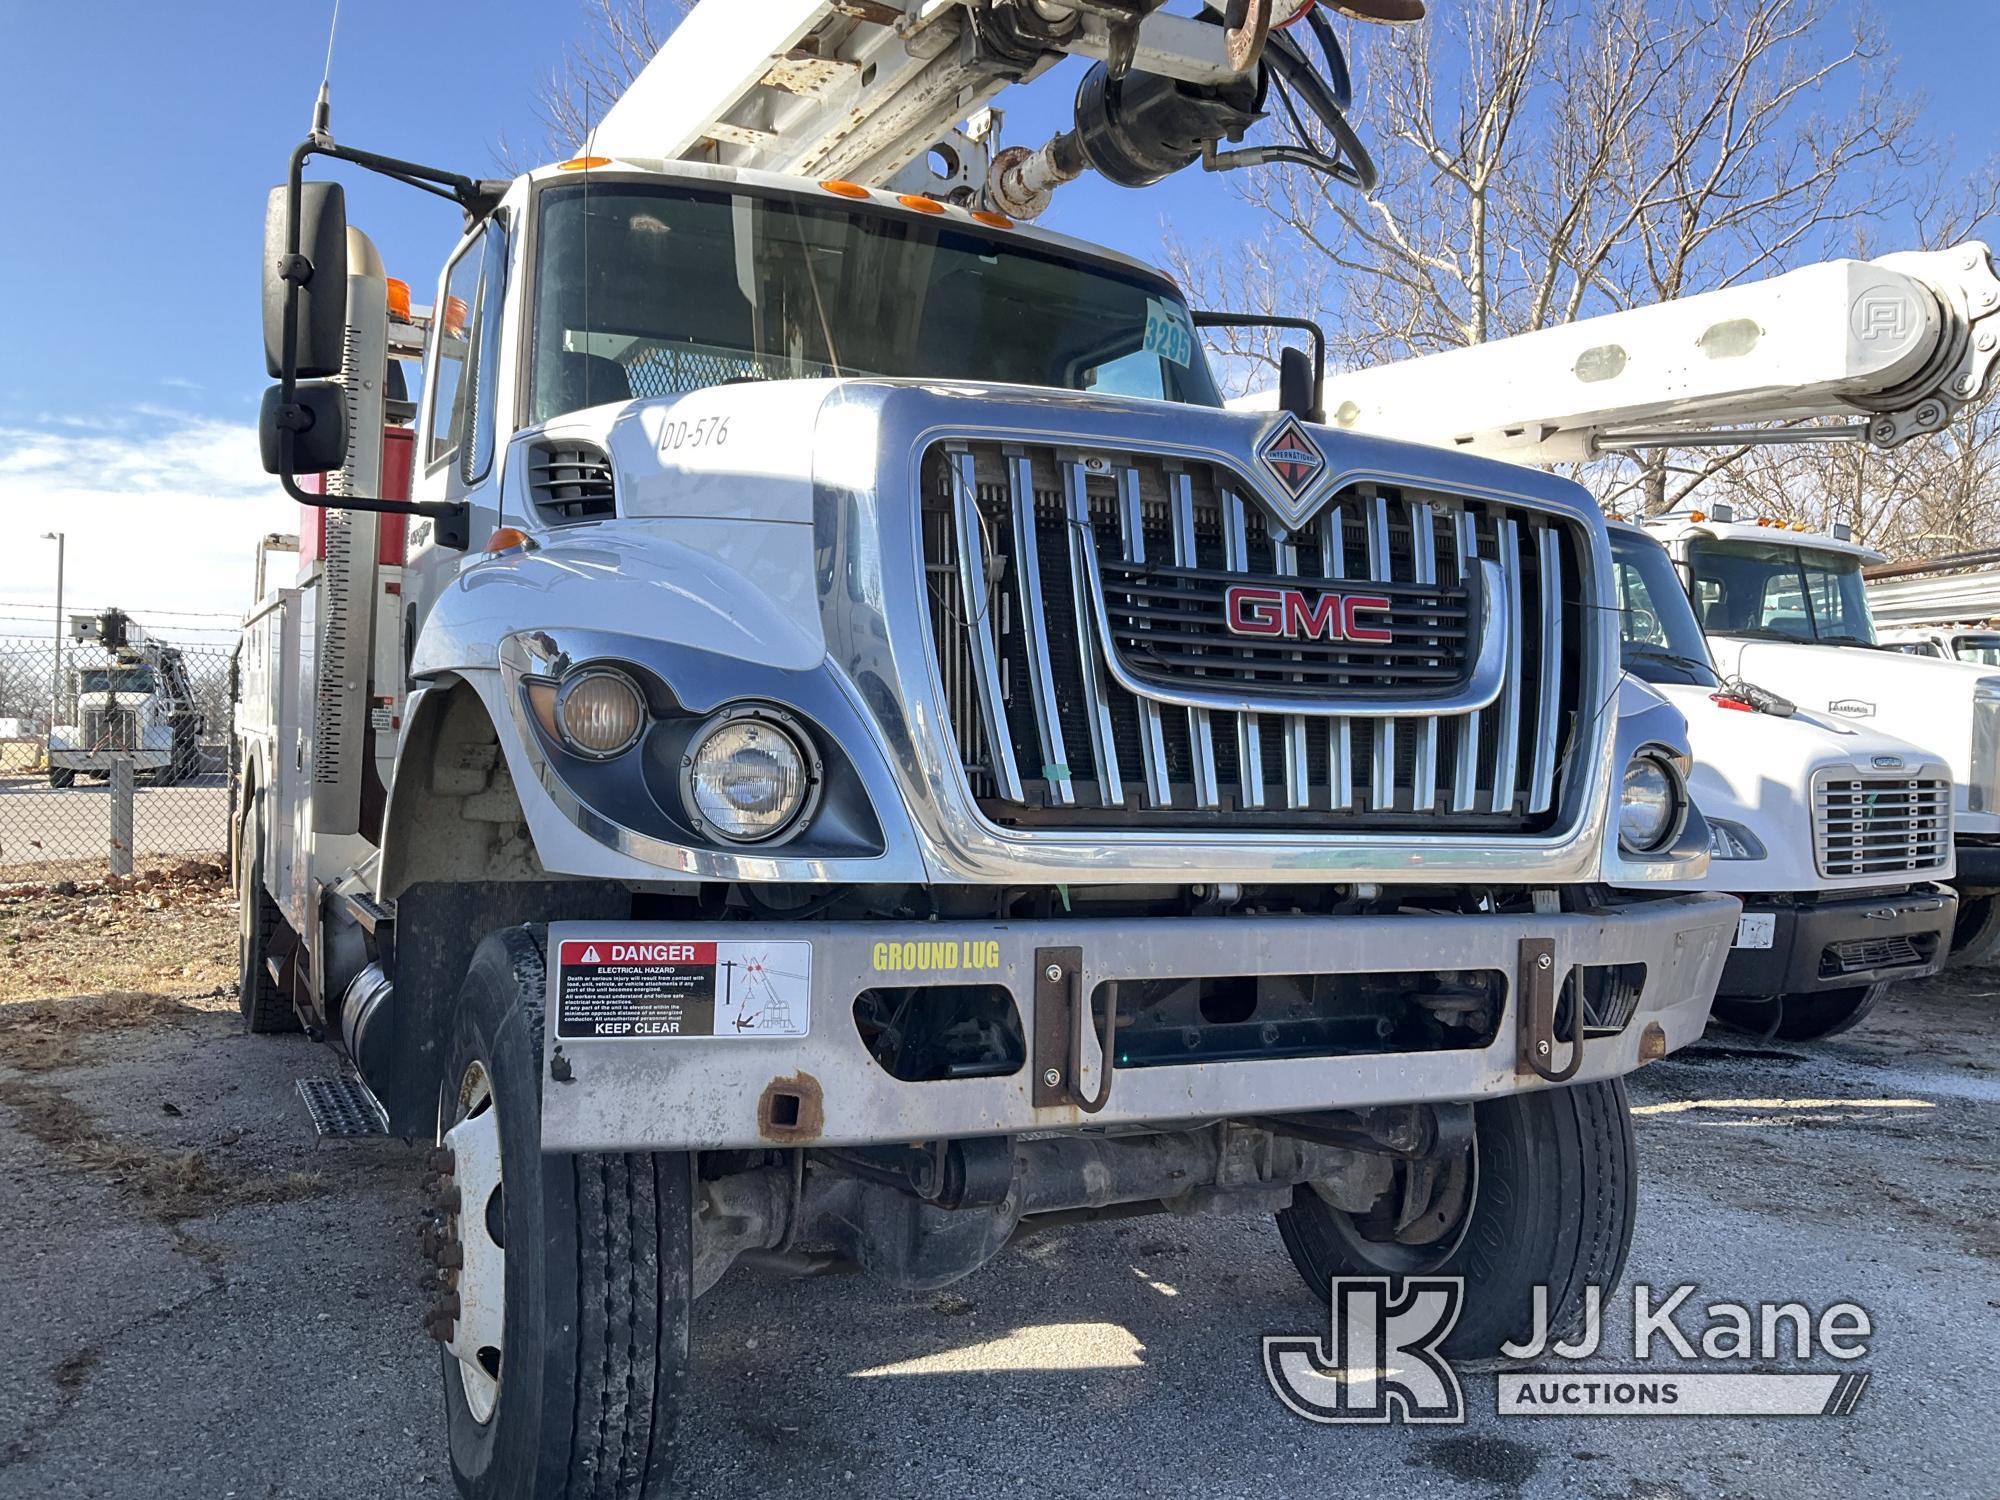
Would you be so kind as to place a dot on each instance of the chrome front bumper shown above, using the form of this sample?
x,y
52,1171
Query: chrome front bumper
x,y
824,1088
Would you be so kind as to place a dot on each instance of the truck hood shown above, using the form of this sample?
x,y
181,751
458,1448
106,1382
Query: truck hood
x,y
1757,770
1922,699
753,452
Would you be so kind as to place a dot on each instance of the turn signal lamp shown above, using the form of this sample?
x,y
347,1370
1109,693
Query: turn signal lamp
x,y
1697,516
506,539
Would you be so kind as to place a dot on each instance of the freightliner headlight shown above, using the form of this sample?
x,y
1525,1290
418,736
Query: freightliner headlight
x,y
748,776
1651,804
1982,792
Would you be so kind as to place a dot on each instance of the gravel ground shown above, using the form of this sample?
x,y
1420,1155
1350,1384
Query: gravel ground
x,y
201,1303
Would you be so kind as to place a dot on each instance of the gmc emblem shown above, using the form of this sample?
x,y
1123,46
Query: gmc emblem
x,y
1293,614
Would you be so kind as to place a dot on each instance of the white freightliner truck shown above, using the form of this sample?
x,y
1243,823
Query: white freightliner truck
x,y
137,705
1833,834
860,757
1786,610
1882,351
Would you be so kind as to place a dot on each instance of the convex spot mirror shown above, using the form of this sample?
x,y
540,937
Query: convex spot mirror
x,y
319,431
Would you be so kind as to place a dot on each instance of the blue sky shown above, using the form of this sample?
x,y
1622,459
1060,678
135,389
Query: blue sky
x,y
143,139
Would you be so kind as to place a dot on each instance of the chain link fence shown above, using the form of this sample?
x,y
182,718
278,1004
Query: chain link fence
x,y
115,760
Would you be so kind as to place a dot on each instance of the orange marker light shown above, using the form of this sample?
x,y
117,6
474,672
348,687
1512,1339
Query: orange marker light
x,y
844,189
455,312
920,203
583,163
997,221
1697,516
399,300
506,539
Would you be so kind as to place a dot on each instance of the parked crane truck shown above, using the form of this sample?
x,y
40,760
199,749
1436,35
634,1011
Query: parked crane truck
x,y
859,757
137,705
1878,351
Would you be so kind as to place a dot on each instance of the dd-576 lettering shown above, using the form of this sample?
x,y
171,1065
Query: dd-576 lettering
x,y
702,432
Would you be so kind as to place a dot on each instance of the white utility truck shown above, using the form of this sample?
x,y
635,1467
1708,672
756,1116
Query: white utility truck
x,y
136,704
1977,644
1879,351
1833,834
1785,609
860,757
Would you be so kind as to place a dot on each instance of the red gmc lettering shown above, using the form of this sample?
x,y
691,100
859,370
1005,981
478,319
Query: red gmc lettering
x,y
1372,634
1254,611
1293,614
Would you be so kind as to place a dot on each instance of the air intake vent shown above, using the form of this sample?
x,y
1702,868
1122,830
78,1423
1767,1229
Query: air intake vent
x,y
571,481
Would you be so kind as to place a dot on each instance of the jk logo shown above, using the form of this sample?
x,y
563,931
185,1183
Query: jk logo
x,y
1380,1360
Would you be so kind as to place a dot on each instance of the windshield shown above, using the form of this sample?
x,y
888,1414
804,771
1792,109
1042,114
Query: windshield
x,y
1980,650
1772,589
650,290
115,680
1656,627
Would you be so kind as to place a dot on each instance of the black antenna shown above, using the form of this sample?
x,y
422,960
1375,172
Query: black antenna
x,y
322,123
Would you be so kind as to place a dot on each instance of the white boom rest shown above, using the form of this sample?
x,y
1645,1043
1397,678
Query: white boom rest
x,y
1900,344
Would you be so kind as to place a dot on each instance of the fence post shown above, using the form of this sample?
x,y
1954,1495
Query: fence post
x,y
121,815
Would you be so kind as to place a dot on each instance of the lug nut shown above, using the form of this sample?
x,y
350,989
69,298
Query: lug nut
x,y
445,1309
451,1256
442,1160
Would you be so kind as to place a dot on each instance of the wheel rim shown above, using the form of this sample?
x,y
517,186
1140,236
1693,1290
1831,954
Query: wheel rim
x,y
475,1301
1432,1237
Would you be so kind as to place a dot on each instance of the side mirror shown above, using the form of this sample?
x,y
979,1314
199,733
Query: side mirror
x,y
319,272
318,423
1295,383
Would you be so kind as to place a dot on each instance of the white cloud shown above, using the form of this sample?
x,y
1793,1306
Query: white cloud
x,y
162,510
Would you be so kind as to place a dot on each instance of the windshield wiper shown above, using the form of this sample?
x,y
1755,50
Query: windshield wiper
x,y
1854,640
1765,633
1690,662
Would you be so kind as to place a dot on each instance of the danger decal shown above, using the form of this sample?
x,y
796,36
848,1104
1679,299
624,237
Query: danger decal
x,y
612,988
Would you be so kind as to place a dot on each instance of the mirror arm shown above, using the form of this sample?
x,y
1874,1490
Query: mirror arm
x,y
1277,320
453,517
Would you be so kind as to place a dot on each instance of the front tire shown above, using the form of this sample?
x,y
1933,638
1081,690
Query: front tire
x,y
583,1392
59,778
1806,1018
1552,1185
1975,940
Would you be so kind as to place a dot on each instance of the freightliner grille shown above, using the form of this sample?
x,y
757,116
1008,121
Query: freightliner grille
x,y
1048,738
1880,825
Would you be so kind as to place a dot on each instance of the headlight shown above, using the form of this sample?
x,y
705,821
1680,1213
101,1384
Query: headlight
x,y
1727,840
747,776
1649,804
599,713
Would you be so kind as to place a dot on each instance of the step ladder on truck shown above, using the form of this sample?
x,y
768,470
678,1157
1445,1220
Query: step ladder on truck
x,y
1881,351
859,756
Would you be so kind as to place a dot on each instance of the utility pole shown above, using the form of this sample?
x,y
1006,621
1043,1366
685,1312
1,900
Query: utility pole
x,y
55,687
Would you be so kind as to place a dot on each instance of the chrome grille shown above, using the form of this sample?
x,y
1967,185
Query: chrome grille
x,y
1880,825
1047,734
110,729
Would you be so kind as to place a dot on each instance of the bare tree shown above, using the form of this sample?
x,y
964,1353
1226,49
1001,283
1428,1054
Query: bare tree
x,y
619,38
1545,160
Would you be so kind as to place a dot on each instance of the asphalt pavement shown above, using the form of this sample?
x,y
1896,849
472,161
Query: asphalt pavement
x,y
39,822
201,1303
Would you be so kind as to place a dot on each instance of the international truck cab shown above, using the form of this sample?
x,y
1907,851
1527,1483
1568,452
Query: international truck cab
x,y
1834,835
868,760
1788,610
